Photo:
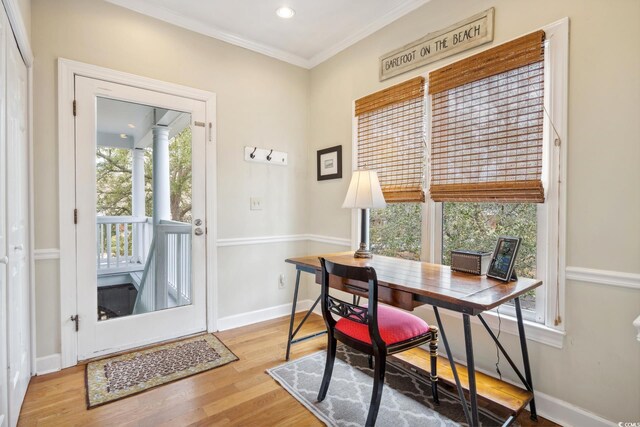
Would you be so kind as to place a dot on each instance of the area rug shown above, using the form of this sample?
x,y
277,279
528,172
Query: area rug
x,y
120,376
406,397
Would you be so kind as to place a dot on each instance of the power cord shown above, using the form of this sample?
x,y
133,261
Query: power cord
x,y
497,349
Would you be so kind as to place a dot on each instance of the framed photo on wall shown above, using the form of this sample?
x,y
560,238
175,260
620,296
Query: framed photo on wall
x,y
330,163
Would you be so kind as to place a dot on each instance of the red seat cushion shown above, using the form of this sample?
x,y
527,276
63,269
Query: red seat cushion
x,y
394,326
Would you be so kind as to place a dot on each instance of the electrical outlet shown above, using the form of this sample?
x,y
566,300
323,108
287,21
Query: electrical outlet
x,y
281,281
256,203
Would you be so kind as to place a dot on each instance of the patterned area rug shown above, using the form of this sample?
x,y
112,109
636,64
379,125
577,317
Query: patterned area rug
x,y
406,398
121,376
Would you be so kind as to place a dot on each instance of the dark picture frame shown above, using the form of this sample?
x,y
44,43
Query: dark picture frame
x,y
504,258
329,163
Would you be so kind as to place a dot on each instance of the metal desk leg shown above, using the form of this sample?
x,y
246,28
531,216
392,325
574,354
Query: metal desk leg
x,y
525,357
293,314
453,365
473,393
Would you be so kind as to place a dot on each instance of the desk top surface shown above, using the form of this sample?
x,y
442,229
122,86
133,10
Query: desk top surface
x,y
434,281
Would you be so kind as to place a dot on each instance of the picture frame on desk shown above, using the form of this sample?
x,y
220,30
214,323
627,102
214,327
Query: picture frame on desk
x,y
504,259
329,163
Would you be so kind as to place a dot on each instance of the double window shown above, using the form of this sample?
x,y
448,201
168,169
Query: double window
x,y
490,166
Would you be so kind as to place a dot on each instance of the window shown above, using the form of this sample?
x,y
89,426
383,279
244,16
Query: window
x,y
528,135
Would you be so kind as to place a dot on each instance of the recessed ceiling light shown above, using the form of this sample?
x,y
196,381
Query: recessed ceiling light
x,y
131,125
285,12
123,135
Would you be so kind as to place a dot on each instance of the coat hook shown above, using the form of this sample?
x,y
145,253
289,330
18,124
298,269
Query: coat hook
x,y
253,153
269,155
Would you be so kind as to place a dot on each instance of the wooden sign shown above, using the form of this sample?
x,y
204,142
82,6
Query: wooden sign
x,y
459,37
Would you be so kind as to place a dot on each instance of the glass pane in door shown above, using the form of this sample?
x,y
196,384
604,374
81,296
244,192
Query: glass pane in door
x,y
143,209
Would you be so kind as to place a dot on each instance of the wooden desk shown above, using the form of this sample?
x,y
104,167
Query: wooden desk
x,y
407,284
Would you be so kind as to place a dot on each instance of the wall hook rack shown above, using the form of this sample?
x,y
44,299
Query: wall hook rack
x,y
265,155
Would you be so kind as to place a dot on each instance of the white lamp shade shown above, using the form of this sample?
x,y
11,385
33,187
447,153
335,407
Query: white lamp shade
x,y
364,191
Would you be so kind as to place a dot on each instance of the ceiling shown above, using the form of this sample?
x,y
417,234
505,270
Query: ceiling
x,y
319,29
128,125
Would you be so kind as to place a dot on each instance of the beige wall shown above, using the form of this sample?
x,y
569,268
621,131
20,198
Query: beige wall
x,y
260,101
25,11
599,367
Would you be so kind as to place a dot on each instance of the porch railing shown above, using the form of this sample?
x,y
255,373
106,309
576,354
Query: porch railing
x,y
122,242
166,281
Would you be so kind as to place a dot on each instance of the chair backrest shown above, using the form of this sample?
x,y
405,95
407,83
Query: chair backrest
x,y
332,305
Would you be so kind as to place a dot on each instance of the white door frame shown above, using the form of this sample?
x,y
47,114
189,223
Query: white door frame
x,y
67,70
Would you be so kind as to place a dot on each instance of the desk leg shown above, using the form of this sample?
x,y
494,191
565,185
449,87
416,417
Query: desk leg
x,y
525,358
453,365
293,314
471,369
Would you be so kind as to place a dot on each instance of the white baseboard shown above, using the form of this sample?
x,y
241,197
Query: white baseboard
x,y
566,414
48,364
251,317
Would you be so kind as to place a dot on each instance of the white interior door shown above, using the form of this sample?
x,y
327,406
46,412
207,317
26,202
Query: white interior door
x,y
141,262
4,399
17,184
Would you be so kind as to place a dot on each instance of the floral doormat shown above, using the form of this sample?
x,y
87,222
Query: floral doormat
x,y
120,376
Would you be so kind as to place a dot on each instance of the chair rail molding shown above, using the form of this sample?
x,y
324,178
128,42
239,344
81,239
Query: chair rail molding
x,y
48,253
604,277
261,240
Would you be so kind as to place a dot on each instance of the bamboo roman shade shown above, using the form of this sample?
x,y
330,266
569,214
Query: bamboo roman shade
x,y
391,139
487,125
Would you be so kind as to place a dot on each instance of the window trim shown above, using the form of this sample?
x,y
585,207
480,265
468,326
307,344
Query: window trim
x,y
553,218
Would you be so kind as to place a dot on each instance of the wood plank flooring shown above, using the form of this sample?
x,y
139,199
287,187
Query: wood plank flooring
x,y
512,398
238,394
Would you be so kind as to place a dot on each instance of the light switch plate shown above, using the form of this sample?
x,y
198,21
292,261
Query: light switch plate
x,y
256,203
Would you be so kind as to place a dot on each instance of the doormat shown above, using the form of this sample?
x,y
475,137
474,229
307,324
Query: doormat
x,y
406,397
116,377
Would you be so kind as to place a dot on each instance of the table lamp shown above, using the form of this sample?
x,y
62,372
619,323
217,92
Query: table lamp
x,y
364,193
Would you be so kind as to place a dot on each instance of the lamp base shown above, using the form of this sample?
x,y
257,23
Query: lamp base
x,y
363,252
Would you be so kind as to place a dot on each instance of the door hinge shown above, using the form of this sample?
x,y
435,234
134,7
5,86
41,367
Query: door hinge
x,y
75,216
74,108
76,319
210,131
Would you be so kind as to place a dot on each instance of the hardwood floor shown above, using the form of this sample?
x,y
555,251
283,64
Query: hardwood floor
x,y
238,394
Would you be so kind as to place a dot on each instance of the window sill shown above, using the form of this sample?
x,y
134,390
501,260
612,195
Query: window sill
x,y
534,331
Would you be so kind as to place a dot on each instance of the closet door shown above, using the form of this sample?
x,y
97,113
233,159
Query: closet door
x,y
4,413
17,230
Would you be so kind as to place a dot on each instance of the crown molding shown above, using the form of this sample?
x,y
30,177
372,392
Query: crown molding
x,y
19,30
363,33
171,17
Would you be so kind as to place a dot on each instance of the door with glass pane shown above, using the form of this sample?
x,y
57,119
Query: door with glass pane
x,y
140,194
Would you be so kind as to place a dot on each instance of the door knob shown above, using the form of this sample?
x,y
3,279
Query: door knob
x,y
198,222
198,231
4,260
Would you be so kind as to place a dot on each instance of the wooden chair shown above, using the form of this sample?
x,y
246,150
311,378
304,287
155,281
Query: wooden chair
x,y
377,330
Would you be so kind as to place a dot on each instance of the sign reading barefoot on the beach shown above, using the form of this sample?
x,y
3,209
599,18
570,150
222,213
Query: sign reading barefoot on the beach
x,y
459,37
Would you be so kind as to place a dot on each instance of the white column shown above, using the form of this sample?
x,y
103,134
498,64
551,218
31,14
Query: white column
x,y
161,209
137,183
138,203
161,190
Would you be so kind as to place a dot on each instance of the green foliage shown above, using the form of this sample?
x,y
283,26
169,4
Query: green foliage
x,y
113,179
113,176
477,226
396,230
